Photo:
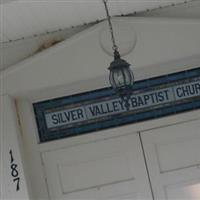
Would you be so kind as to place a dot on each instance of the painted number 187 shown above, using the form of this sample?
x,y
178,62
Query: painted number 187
x,y
14,171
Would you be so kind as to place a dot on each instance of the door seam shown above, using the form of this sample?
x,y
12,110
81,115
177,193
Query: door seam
x,y
146,166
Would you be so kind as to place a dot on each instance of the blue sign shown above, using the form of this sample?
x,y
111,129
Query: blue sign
x,y
95,110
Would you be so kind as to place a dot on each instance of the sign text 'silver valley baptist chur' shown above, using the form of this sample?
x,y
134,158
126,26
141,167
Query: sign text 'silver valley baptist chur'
x,y
68,118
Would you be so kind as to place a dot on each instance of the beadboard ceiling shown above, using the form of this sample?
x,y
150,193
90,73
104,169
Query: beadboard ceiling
x,y
26,18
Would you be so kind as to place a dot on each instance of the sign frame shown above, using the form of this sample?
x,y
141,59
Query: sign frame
x,y
102,98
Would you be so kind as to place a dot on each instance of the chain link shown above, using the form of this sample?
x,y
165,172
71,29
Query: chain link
x,y
114,47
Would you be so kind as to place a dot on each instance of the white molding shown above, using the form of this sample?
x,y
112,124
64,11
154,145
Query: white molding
x,y
11,141
70,41
35,71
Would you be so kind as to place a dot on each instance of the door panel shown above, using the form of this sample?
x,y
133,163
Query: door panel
x,y
173,159
107,169
188,190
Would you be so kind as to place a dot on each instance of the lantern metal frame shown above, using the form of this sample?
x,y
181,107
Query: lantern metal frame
x,y
119,67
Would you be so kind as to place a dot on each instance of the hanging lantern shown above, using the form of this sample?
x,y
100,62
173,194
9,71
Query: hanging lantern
x,y
121,77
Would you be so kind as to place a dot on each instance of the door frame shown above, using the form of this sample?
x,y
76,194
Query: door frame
x,y
31,147
34,149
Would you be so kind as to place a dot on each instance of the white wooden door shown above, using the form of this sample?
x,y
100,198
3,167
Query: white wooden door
x,y
106,169
173,159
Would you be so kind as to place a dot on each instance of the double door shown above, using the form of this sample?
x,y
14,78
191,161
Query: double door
x,y
162,163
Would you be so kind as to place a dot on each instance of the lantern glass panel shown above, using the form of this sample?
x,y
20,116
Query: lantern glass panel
x,y
129,78
121,77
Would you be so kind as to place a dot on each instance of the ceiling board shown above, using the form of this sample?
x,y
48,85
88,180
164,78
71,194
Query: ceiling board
x,y
25,18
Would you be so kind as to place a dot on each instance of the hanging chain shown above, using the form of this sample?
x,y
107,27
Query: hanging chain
x,y
115,48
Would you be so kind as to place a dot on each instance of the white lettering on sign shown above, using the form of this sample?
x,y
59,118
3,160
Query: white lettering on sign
x,y
116,106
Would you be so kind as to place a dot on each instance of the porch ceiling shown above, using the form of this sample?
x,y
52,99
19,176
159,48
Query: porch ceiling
x,y
26,18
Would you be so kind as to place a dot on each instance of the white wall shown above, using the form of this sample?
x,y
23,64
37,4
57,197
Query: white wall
x,y
16,51
12,164
79,64
81,58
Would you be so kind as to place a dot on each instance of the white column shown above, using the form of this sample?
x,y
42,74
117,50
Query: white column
x,y
12,175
